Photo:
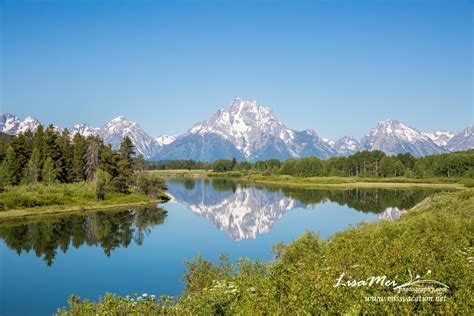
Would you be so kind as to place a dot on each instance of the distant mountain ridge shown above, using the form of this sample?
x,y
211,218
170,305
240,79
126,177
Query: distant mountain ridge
x,y
247,130
393,137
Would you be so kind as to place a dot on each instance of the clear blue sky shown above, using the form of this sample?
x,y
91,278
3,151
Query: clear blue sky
x,y
335,66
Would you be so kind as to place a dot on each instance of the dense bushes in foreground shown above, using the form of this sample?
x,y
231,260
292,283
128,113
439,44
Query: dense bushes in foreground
x,y
435,241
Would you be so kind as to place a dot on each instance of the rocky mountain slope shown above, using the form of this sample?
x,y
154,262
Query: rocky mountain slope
x,y
393,137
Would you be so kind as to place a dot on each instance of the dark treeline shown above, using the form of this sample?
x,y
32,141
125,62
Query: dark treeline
x,y
50,156
364,164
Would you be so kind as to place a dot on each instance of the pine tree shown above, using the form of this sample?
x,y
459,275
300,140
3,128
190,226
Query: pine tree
x,y
37,143
11,167
32,171
127,150
50,144
22,145
48,173
79,152
38,139
3,149
64,163
2,176
92,159
124,166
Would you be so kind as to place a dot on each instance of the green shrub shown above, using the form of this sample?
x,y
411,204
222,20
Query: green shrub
x,y
150,184
73,194
468,183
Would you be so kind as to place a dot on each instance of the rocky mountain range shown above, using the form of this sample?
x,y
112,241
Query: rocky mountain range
x,y
247,130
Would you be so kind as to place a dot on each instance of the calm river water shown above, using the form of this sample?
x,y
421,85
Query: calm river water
x,y
43,261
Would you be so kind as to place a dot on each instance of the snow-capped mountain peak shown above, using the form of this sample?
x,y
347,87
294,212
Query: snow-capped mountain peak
x,y
244,122
119,123
116,129
12,125
398,129
84,129
258,134
463,140
393,137
346,145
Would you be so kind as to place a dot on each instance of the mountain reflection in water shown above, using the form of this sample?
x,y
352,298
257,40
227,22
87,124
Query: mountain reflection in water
x,y
246,210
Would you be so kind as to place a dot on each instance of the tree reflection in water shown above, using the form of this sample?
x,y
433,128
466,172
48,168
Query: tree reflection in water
x,y
108,230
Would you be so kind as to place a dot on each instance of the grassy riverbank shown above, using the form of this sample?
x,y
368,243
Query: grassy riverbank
x,y
434,240
182,173
361,182
41,199
335,182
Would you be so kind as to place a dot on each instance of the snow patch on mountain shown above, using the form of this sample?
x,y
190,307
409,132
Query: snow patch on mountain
x,y
165,139
329,141
441,138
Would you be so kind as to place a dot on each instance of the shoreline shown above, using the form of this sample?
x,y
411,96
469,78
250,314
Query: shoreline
x,y
62,209
331,182
373,185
